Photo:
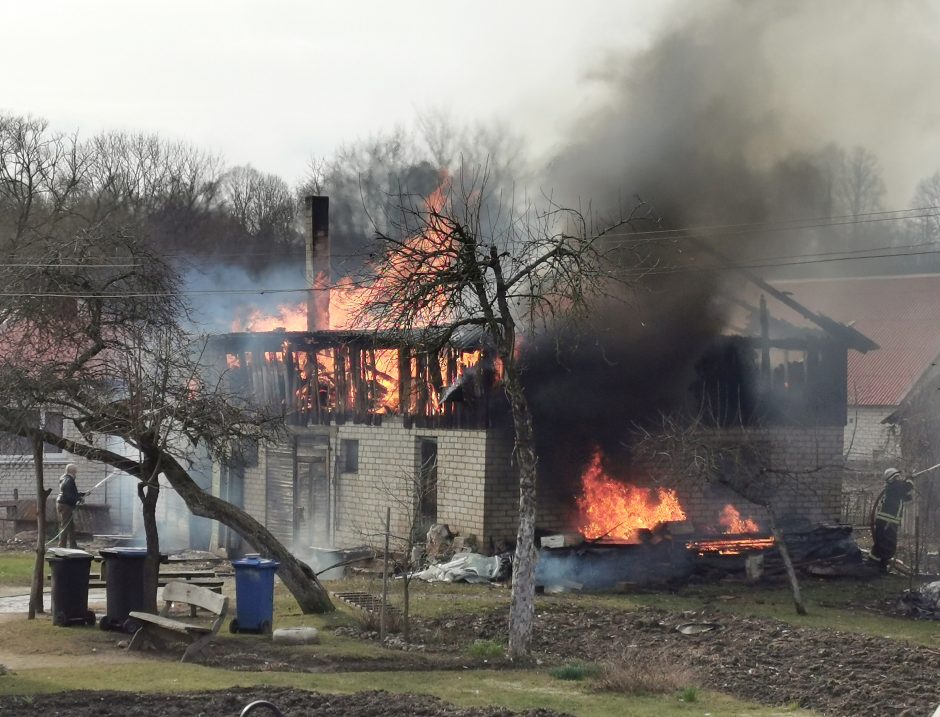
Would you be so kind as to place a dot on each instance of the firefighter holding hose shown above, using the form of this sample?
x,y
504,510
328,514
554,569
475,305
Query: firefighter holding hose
x,y
69,497
886,516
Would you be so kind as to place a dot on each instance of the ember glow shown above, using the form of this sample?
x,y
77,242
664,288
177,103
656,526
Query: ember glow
x,y
730,546
615,511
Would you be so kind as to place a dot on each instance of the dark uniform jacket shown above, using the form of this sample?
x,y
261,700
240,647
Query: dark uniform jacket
x,y
68,491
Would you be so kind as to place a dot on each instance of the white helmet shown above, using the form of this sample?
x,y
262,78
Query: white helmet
x,y
891,474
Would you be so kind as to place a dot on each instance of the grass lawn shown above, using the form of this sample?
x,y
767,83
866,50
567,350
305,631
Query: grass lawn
x,y
90,658
16,569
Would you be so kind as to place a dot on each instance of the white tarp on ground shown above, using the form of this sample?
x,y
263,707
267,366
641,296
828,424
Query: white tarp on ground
x,y
469,567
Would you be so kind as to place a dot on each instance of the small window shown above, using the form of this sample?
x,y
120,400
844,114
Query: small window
x,y
349,455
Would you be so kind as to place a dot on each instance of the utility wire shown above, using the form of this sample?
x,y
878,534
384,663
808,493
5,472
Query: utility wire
x,y
713,230
635,272
767,262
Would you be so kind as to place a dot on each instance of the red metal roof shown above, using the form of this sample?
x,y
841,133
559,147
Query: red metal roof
x,y
900,313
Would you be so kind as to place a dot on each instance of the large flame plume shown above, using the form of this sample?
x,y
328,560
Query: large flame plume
x,y
617,511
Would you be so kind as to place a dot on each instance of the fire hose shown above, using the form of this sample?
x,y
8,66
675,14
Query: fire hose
x,y
261,703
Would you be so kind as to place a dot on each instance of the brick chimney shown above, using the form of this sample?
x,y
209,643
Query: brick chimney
x,y
317,226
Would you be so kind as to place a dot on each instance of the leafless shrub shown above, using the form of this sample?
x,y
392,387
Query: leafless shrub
x,y
369,621
644,673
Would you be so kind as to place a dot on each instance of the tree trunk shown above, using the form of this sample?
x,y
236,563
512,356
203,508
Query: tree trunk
x,y
788,564
522,605
42,495
148,494
297,576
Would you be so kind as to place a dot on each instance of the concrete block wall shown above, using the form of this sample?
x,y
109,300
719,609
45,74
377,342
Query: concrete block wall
x,y
798,470
501,506
389,456
814,458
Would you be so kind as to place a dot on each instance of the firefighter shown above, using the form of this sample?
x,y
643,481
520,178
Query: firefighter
x,y
886,516
69,496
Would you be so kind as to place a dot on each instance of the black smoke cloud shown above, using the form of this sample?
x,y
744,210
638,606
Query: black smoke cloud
x,y
725,119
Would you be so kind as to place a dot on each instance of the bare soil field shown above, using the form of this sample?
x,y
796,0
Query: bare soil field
x,y
756,659
291,703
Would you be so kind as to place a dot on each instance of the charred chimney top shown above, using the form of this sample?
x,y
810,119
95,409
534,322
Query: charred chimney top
x,y
317,230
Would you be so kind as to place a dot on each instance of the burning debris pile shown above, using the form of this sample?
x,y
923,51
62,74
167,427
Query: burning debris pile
x,y
673,552
632,535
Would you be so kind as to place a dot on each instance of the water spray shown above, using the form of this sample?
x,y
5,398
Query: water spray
x,y
103,481
926,470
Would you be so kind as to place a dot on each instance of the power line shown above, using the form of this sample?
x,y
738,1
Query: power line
x,y
713,231
800,260
767,262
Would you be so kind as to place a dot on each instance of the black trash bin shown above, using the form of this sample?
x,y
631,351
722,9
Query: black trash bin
x,y
70,569
123,569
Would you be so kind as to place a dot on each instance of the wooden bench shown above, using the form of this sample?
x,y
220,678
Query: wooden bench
x,y
159,628
210,581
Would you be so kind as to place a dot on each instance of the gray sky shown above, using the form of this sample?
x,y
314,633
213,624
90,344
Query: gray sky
x,y
272,83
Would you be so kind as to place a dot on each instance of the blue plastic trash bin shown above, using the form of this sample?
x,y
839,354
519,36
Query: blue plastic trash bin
x,y
254,594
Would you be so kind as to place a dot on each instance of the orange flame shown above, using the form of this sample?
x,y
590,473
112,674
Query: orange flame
x,y
616,511
423,255
732,521
290,317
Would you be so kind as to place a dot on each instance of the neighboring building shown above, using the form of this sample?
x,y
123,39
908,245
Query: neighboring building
x,y
900,314
114,501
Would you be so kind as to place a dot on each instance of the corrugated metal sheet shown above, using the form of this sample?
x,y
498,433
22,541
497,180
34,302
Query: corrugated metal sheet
x,y
900,313
279,494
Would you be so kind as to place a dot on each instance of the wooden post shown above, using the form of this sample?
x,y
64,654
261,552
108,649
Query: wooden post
x,y
313,384
766,379
404,380
421,376
388,530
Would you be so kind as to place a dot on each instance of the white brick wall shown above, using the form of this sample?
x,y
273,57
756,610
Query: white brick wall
x,y
388,464
867,439
477,490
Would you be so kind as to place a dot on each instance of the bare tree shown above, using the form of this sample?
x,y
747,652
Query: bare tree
x,y
40,177
364,178
93,328
467,261
927,194
852,184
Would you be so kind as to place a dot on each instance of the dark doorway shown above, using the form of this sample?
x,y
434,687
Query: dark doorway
x,y
426,486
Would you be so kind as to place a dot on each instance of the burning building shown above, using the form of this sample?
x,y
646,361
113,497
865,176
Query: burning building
x,y
383,420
